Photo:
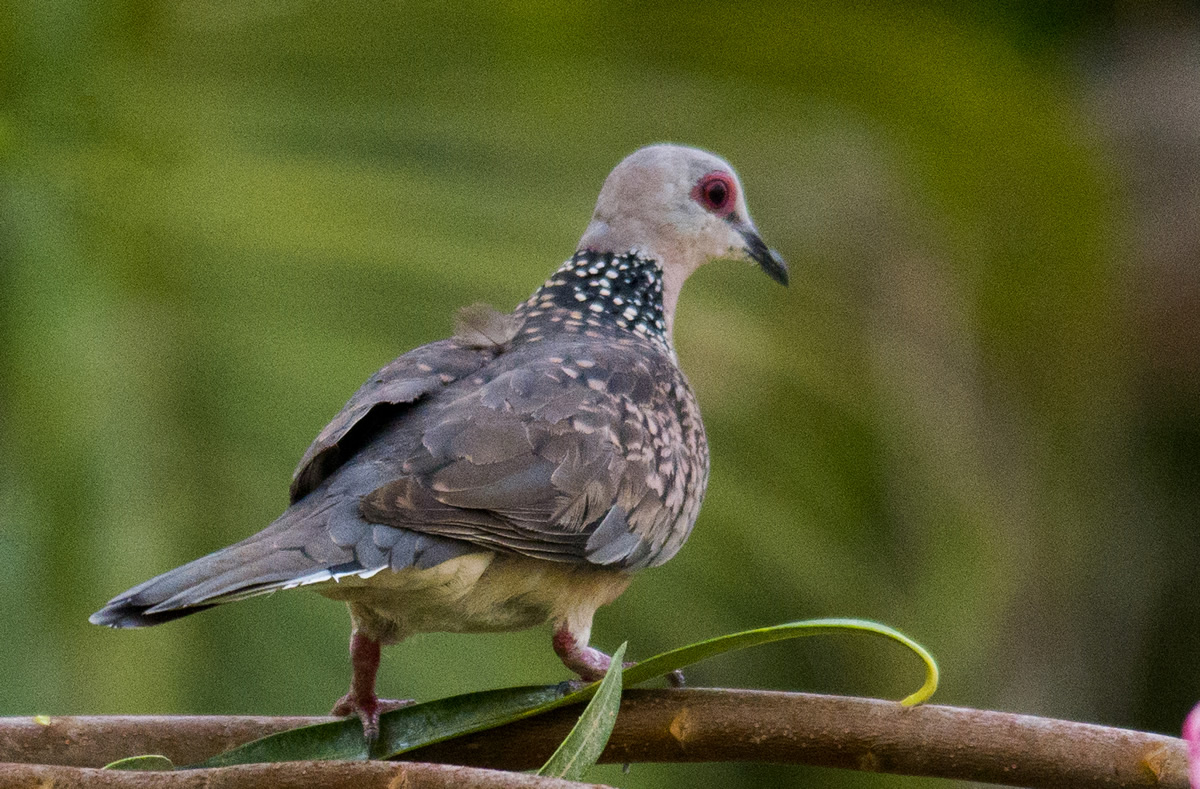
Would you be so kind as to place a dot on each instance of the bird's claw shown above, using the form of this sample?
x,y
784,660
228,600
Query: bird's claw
x,y
674,678
368,711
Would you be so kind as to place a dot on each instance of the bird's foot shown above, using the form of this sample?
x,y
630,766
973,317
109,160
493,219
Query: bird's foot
x,y
361,699
368,711
590,663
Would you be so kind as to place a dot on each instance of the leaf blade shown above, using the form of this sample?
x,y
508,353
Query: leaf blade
x,y
400,730
581,748
666,662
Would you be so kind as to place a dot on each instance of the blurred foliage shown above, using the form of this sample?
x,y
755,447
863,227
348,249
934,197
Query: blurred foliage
x,y
219,217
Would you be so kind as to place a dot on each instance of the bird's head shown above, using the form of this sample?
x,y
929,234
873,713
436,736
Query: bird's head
x,y
682,207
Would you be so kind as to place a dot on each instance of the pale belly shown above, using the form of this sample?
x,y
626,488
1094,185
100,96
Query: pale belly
x,y
479,592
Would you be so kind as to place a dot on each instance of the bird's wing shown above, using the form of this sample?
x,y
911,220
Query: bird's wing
x,y
415,375
551,460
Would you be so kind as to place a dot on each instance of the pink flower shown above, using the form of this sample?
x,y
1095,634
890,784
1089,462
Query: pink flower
x,y
1191,733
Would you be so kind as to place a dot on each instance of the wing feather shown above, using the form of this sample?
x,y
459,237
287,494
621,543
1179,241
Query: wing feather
x,y
415,375
545,464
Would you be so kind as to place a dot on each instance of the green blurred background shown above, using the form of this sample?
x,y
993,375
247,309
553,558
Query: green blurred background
x,y
974,416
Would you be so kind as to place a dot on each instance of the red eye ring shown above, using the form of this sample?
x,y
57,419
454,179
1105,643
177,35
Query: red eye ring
x,y
717,192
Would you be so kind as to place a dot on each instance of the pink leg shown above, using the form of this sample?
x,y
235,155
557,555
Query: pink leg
x,y
361,700
589,663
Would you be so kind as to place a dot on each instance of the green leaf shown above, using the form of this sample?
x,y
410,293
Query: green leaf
x,y
148,762
663,664
409,728
335,740
583,746
399,730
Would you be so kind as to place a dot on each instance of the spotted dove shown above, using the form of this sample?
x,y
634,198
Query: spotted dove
x,y
517,472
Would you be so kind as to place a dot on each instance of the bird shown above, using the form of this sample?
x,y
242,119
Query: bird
x,y
518,472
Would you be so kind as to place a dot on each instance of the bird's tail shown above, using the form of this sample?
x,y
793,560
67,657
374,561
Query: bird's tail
x,y
321,538
295,550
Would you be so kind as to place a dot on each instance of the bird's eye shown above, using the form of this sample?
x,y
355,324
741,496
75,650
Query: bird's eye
x,y
716,192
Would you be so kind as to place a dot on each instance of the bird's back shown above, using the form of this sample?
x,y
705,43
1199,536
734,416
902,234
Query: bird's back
x,y
580,440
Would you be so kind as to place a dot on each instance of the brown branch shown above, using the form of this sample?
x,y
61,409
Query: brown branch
x,y
284,775
698,725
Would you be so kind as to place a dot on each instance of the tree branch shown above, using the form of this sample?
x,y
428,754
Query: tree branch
x,y
698,725
283,775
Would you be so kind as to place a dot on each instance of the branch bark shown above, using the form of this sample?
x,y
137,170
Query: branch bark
x,y
284,775
699,725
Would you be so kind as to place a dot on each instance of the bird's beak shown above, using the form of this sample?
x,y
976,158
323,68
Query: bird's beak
x,y
767,259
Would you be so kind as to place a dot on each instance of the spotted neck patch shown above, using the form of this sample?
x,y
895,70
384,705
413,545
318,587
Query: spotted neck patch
x,y
598,291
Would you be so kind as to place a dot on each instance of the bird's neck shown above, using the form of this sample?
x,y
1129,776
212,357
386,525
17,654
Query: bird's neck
x,y
595,293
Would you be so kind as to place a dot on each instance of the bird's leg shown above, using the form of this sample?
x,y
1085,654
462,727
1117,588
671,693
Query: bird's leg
x,y
361,700
588,662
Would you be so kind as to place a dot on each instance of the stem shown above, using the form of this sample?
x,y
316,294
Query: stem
x,y
699,725
283,775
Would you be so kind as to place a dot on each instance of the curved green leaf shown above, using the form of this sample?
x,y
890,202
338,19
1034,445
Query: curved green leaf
x,y
583,746
663,664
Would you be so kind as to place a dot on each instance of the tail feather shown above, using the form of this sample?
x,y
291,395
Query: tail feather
x,y
117,614
316,540
258,575
297,545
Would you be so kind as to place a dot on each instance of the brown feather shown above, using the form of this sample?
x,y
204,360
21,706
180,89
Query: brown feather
x,y
482,326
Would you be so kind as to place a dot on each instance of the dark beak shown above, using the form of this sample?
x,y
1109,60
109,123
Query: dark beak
x,y
768,259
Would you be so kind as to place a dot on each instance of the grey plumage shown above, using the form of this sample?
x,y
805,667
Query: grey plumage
x,y
563,435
